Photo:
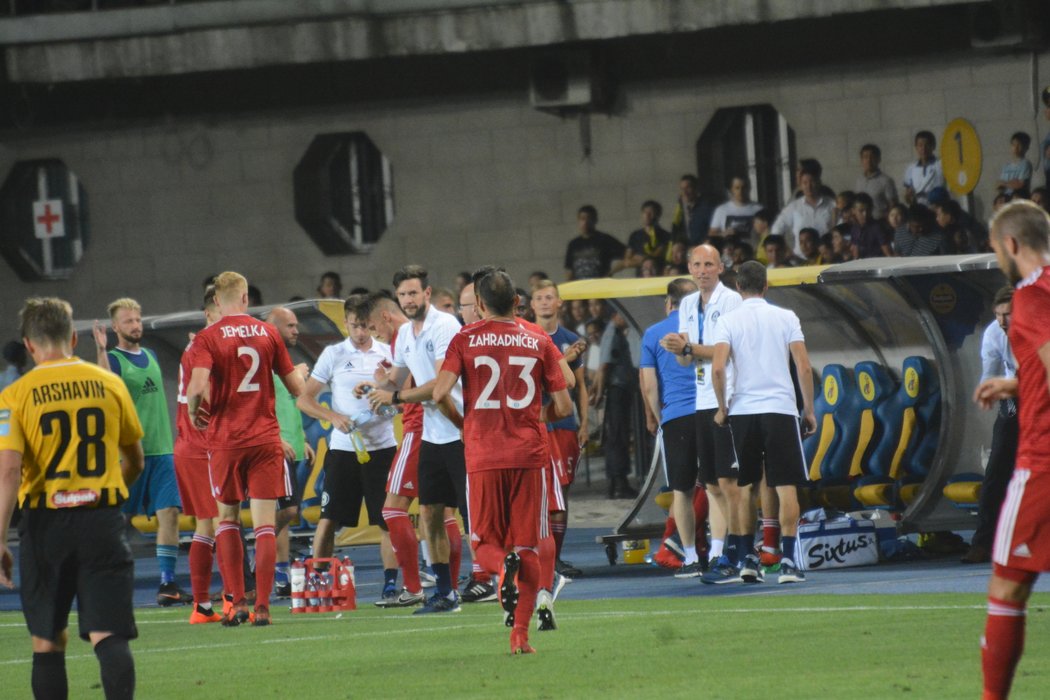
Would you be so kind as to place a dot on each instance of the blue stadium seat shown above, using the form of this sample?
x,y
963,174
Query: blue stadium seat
x,y
835,383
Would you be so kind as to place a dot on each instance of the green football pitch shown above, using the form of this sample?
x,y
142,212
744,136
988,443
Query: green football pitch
x,y
805,646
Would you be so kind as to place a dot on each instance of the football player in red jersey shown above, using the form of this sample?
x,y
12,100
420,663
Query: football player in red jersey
x,y
505,369
191,473
1020,236
239,356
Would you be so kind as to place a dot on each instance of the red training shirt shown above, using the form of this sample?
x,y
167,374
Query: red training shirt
x,y
1029,331
412,413
505,370
243,353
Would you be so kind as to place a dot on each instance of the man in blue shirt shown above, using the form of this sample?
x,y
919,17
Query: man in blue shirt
x,y
670,394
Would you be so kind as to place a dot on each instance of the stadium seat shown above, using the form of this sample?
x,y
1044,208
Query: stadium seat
x,y
893,466
818,447
964,490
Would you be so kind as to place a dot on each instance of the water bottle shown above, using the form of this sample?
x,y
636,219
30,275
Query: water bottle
x,y
360,418
346,573
385,411
312,586
326,589
298,575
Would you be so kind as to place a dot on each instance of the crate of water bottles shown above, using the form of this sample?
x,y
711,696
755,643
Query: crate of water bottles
x,y
323,585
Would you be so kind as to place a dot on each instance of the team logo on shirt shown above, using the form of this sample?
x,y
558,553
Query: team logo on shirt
x,y
715,315
349,364
430,346
148,387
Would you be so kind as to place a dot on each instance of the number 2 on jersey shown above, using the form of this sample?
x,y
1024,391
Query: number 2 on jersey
x,y
247,384
526,364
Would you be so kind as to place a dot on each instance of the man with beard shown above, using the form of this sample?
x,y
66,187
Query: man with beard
x,y
156,493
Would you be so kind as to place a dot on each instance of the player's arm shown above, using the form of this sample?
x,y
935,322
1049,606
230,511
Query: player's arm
x,y
583,405
293,382
386,382
718,379
651,394
685,352
567,373
132,461
101,356
442,395
308,404
10,478
560,407
196,391
804,370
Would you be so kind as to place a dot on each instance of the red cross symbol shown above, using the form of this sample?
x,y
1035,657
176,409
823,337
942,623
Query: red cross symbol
x,y
49,218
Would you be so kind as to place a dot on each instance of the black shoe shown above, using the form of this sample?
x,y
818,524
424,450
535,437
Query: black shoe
x,y
170,594
567,570
282,589
693,570
508,587
479,592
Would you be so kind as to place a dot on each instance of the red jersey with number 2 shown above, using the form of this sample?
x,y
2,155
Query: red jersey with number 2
x,y
243,353
505,370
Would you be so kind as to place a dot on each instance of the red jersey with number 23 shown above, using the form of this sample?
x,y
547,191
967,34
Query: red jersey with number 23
x,y
505,370
1029,332
243,353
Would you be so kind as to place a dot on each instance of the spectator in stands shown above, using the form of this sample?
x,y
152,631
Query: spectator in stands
x,y
330,286
578,317
957,239
924,174
692,214
897,219
869,237
844,202
592,253
649,241
736,214
677,265
809,242
875,183
978,232
811,165
761,226
650,267
1017,174
841,246
812,210
17,359
1039,197
922,236
537,277
826,251
743,252
777,253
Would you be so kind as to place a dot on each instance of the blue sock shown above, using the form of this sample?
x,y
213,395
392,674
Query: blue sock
x,y
787,548
389,578
747,545
166,554
280,573
731,550
444,578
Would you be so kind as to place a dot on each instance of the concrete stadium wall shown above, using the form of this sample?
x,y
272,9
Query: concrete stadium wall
x,y
477,180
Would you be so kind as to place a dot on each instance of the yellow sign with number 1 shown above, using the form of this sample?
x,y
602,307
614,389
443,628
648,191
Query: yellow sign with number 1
x,y
961,156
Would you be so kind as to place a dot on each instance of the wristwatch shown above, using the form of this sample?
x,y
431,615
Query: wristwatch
x,y
687,350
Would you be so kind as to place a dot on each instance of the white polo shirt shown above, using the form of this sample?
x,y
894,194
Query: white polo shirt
x,y
923,178
723,300
342,367
799,214
419,354
758,335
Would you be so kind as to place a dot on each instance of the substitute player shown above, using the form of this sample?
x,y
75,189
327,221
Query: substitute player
x,y
505,369
191,472
71,431
157,492
238,356
1020,237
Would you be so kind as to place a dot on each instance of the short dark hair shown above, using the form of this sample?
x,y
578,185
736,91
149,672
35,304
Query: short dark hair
x,y
766,214
360,305
751,277
496,290
928,135
691,179
209,297
809,232
775,239
412,272
1004,295
481,272
588,209
952,209
865,199
1023,138
679,289
657,208
811,166
920,214
746,249
873,149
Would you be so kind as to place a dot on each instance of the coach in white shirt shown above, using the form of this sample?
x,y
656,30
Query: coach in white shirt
x,y
761,339
811,210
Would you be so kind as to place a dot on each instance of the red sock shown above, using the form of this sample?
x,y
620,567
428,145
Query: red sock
x,y
265,557
771,534
406,546
1001,646
547,551
490,558
455,549
700,510
528,584
201,556
477,573
558,532
230,553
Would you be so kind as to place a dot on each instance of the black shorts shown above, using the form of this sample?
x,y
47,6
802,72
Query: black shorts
x,y
347,482
443,475
294,488
714,447
81,553
773,439
679,436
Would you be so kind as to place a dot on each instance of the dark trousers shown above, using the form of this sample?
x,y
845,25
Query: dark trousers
x,y
996,478
616,431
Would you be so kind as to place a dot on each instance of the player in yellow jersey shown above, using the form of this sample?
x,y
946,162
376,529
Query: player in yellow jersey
x,y
69,447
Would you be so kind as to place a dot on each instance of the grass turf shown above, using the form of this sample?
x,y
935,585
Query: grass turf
x,y
821,646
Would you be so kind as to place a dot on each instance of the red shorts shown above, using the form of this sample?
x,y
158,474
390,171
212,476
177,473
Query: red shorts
x,y
1022,539
248,472
404,472
194,481
555,497
507,507
569,447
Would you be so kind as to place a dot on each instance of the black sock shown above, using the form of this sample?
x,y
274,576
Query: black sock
x,y
117,668
389,577
49,676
